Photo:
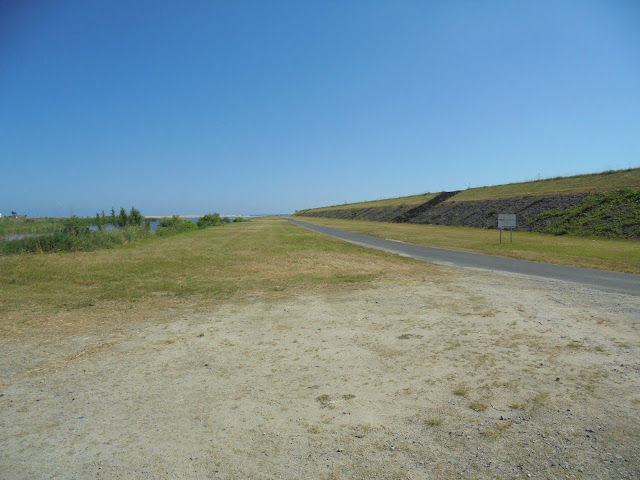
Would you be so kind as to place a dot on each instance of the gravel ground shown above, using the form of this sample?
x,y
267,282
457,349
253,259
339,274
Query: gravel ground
x,y
471,375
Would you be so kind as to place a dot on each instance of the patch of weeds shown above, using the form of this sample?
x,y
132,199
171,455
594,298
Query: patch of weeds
x,y
452,345
478,406
498,431
313,429
348,396
434,422
408,336
518,406
461,391
200,335
539,401
325,401
503,427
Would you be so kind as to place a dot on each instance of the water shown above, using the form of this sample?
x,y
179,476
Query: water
x,y
20,236
154,227
109,226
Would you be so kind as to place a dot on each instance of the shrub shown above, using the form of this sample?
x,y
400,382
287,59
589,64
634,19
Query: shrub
x,y
209,220
75,227
175,224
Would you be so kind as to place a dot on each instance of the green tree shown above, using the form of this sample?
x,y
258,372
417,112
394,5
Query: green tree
x,y
123,218
98,221
135,217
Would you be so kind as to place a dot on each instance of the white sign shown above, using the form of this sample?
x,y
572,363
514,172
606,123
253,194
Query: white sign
x,y
506,221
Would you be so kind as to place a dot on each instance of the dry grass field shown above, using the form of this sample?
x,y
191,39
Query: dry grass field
x,y
264,350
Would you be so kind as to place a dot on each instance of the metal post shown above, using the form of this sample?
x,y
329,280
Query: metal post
x,y
500,236
511,235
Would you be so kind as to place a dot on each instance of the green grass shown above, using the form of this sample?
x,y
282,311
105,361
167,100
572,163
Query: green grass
x,y
17,226
592,183
412,201
84,241
269,256
603,254
609,214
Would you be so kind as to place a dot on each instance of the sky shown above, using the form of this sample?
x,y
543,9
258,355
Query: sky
x,y
255,107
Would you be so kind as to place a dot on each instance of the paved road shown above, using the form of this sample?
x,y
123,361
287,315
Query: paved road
x,y
600,279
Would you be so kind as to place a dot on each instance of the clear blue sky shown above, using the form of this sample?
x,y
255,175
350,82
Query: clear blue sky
x,y
260,106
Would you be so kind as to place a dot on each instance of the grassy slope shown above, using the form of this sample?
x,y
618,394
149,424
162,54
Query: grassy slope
x,y
609,214
597,182
149,277
603,254
412,201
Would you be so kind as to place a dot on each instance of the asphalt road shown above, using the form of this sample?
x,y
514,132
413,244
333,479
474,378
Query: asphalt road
x,y
600,279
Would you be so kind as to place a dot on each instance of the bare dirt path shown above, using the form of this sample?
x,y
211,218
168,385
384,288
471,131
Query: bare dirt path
x,y
472,375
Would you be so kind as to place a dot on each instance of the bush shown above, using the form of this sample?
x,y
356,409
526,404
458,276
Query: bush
x,y
175,224
209,220
75,227
67,242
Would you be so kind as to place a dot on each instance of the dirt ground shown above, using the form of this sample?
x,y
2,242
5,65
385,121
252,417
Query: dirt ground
x,y
472,375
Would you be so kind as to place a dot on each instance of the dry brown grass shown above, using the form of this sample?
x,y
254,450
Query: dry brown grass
x,y
68,292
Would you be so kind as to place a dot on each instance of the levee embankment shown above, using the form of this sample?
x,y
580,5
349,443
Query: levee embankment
x,y
600,210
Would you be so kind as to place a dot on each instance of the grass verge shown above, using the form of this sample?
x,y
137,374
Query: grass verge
x,y
602,254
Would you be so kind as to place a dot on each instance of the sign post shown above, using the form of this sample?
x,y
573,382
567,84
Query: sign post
x,y
507,221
